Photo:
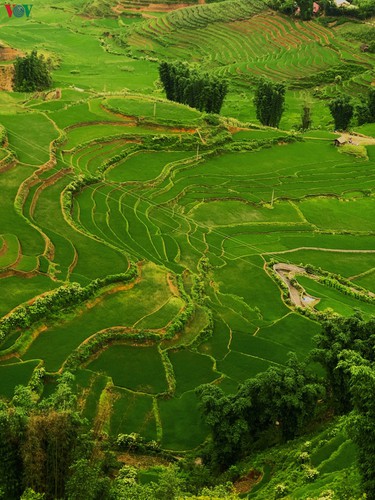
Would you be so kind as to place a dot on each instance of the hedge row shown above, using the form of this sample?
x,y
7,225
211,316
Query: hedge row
x,y
206,333
102,339
351,290
3,135
61,299
169,373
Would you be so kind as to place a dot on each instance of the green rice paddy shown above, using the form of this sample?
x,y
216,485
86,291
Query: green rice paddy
x,y
111,173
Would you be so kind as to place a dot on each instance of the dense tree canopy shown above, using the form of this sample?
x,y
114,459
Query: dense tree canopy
x,y
31,73
269,102
39,442
371,105
342,111
306,9
346,349
339,335
361,375
190,86
282,399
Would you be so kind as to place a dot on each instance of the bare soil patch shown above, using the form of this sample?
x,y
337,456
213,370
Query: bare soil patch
x,y
298,298
6,77
141,461
8,54
244,484
359,139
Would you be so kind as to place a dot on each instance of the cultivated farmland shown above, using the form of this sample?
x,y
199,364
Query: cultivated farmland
x,y
164,225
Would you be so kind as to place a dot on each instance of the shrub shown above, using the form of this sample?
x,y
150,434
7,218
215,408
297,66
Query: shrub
x,y
281,490
311,474
357,151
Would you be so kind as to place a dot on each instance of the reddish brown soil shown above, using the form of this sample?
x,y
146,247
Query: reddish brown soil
x,y
4,248
172,287
6,76
244,484
152,7
8,54
140,461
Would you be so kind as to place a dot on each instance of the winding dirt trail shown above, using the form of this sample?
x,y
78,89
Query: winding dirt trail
x,y
287,273
340,250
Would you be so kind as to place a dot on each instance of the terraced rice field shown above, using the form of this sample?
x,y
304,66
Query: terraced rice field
x,y
246,44
106,181
168,208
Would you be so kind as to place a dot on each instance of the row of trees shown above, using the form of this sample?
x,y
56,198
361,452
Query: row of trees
x,y
289,7
269,101
361,9
192,87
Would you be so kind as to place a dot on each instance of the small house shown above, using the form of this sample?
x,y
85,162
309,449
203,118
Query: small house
x,y
340,141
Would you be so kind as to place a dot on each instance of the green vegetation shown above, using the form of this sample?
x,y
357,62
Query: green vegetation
x,y
269,102
186,259
342,111
198,90
31,73
136,368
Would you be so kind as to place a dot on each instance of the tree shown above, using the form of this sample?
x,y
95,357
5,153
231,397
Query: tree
x,y
227,427
48,451
338,335
281,400
84,482
12,429
192,87
361,113
306,116
287,396
31,73
30,494
269,102
362,422
341,110
169,485
306,9
125,486
371,105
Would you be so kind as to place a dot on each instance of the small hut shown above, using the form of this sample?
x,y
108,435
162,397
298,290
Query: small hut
x,y
340,141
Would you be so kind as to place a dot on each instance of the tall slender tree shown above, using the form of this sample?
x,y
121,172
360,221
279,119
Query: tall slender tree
x,y
371,105
269,101
192,87
342,111
306,120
